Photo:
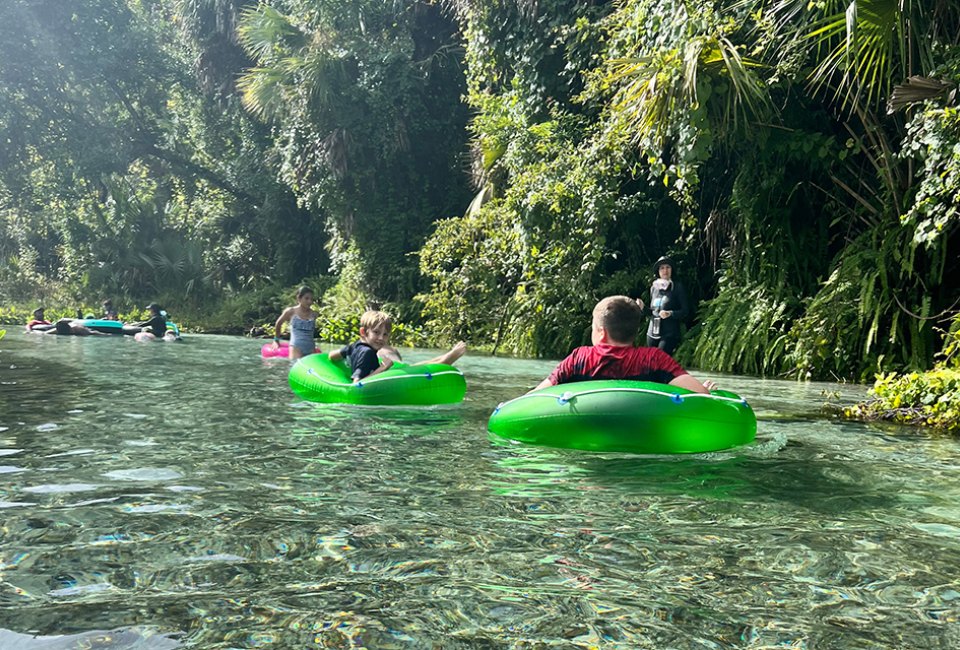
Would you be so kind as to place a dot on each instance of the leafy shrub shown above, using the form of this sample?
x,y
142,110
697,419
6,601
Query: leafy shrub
x,y
871,312
237,313
951,344
933,136
930,399
745,330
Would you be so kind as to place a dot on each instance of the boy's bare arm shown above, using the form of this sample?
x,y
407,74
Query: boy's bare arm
x,y
690,383
334,355
386,365
542,384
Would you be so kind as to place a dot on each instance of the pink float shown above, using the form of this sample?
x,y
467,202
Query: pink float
x,y
268,351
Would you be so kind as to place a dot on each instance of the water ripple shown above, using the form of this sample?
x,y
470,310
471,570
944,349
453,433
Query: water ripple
x,y
58,488
144,474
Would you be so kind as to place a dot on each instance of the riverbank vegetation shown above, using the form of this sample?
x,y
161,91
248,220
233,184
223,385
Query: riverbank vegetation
x,y
489,169
930,398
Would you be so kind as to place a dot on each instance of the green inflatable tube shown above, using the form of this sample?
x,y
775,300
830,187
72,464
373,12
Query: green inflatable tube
x,y
632,416
318,379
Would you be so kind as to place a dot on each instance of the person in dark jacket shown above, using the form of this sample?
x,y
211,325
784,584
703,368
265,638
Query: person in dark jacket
x,y
668,307
156,324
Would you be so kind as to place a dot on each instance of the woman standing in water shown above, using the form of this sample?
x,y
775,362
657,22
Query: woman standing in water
x,y
303,324
668,307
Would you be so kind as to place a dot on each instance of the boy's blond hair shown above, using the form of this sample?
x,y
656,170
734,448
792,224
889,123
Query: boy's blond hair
x,y
372,319
620,316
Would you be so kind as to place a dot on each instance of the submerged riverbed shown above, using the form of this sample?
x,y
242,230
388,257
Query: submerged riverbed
x,y
180,496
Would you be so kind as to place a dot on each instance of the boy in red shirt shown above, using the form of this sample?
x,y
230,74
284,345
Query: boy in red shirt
x,y
616,320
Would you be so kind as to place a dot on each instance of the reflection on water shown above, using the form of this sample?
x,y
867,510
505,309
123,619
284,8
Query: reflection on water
x,y
144,640
168,496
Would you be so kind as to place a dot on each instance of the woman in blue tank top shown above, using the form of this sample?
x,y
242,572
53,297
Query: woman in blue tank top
x,y
303,324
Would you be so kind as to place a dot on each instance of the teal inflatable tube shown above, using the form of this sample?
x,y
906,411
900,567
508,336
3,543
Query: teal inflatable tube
x,y
116,327
318,379
631,416
105,326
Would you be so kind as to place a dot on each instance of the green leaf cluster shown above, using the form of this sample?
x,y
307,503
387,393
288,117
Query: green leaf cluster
x,y
933,136
119,177
364,99
928,398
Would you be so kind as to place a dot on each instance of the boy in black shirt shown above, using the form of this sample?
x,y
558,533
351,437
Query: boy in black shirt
x,y
372,354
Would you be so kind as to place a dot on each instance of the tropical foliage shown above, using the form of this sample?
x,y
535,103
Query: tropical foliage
x,y
488,170
119,176
930,398
365,99
750,138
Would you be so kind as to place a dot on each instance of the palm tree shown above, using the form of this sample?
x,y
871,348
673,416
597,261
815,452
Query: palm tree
x,y
865,58
858,52
655,87
861,48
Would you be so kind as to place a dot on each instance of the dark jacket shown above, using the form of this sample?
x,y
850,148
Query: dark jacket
x,y
157,324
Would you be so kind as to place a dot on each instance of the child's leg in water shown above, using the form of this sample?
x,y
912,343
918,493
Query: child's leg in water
x,y
448,358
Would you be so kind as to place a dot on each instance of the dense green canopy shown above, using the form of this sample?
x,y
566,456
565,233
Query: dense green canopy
x,y
490,169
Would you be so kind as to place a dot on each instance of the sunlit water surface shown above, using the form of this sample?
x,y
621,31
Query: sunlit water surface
x,y
180,496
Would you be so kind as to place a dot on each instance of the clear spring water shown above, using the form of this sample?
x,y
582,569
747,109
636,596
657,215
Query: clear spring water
x,y
179,496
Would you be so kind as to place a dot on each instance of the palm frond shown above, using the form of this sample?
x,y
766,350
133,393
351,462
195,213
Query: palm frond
x,y
919,88
264,31
653,87
860,47
263,90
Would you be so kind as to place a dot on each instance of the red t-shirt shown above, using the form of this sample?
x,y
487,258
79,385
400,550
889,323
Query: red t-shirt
x,y
616,362
36,322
